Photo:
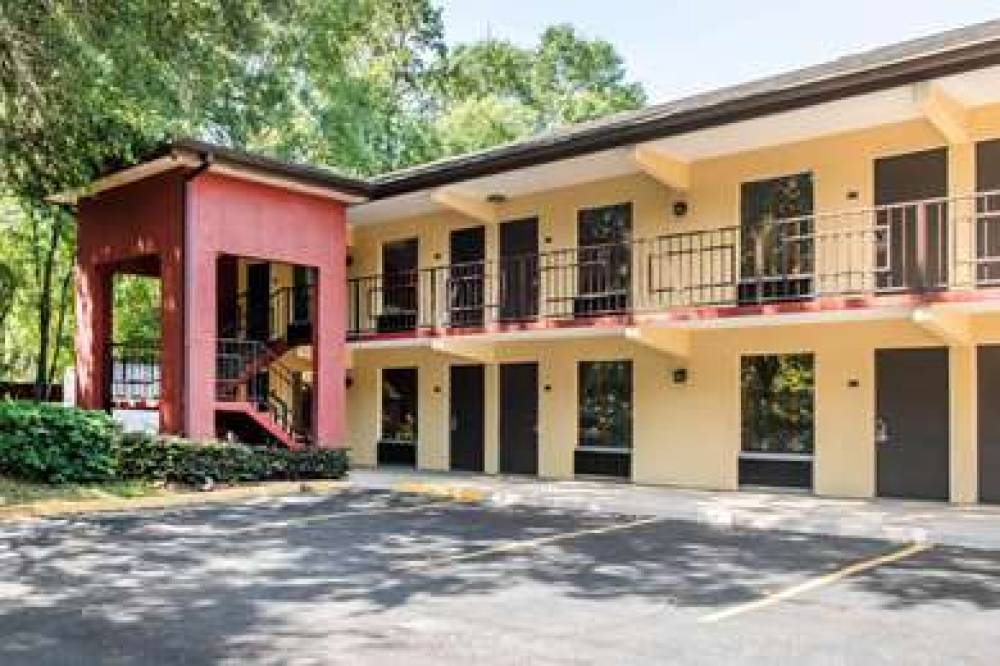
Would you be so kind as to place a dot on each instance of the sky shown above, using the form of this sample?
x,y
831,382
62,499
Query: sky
x,y
679,47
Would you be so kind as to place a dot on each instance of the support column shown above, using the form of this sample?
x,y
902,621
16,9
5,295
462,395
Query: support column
x,y
200,345
172,344
328,346
491,441
961,184
963,426
93,330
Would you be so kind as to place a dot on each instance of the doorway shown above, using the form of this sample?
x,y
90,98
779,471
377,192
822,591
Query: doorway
x,y
911,423
519,418
467,423
988,377
258,302
399,287
466,293
519,270
912,221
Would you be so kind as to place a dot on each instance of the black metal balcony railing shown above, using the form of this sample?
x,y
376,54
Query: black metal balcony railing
x,y
245,372
920,246
133,374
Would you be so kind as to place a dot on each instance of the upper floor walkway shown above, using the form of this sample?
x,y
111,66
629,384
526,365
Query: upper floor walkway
x,y
914,251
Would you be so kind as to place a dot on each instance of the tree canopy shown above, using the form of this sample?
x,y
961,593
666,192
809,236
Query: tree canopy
x,y
363,86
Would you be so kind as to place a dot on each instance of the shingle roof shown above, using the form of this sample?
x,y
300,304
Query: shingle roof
x,y
919,59
941,54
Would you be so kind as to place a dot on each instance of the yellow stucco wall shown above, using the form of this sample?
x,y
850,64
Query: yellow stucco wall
x,y
689,435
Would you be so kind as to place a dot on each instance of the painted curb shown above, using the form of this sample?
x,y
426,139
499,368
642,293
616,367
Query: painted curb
x,y
56,508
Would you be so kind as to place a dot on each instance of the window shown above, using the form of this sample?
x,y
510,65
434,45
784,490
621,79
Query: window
x,y
778,403
399,406
777,420
605,405
399,286
777,230
604,262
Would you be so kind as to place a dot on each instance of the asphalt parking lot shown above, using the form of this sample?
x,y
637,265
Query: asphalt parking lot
x,y
371,577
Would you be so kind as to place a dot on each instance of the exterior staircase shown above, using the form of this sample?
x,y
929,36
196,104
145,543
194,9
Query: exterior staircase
x,y
243,359
270,420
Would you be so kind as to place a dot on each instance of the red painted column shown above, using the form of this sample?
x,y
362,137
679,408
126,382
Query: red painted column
x,y
328,354
93,328
171,343
200,319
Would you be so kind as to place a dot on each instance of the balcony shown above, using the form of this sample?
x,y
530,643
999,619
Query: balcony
x,y
923,248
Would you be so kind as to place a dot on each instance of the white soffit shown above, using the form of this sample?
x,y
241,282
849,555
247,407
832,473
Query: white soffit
x,y
520,182
976,88
881,108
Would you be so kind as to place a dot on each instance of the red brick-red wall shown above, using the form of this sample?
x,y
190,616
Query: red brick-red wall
x,y
139,220
238,217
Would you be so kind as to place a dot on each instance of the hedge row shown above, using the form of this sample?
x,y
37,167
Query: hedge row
x,y
182,461
55,444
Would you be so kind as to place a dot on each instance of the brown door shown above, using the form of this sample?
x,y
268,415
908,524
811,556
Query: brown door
x,y
519,276
468,421
466,273
912,222
989,423
519,418
988,213
911,423
258,301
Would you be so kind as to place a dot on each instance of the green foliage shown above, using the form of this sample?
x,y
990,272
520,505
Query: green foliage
x,y
777,403
495,91
54,444
364,86
136,309
182,461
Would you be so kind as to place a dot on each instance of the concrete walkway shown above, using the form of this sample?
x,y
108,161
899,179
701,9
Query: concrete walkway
x,y
894,520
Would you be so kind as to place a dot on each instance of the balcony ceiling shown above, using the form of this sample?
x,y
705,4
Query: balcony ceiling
x,y
969,89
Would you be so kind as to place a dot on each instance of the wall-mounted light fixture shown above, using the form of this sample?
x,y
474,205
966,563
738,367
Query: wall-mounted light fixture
x,y
496,198
680,208
852,195
680,376
547,388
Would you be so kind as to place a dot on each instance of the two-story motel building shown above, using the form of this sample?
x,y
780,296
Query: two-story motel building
x,y
793,282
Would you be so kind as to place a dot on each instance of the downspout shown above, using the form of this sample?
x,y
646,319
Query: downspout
x,y
206,162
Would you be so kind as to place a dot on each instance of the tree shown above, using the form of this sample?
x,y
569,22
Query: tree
x,y
8,286
364,86
495,91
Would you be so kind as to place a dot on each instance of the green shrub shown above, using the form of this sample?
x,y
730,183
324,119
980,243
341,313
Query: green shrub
x,y
187,462
55,444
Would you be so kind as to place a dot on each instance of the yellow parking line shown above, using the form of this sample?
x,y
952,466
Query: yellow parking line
x,y
524,544
817,582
